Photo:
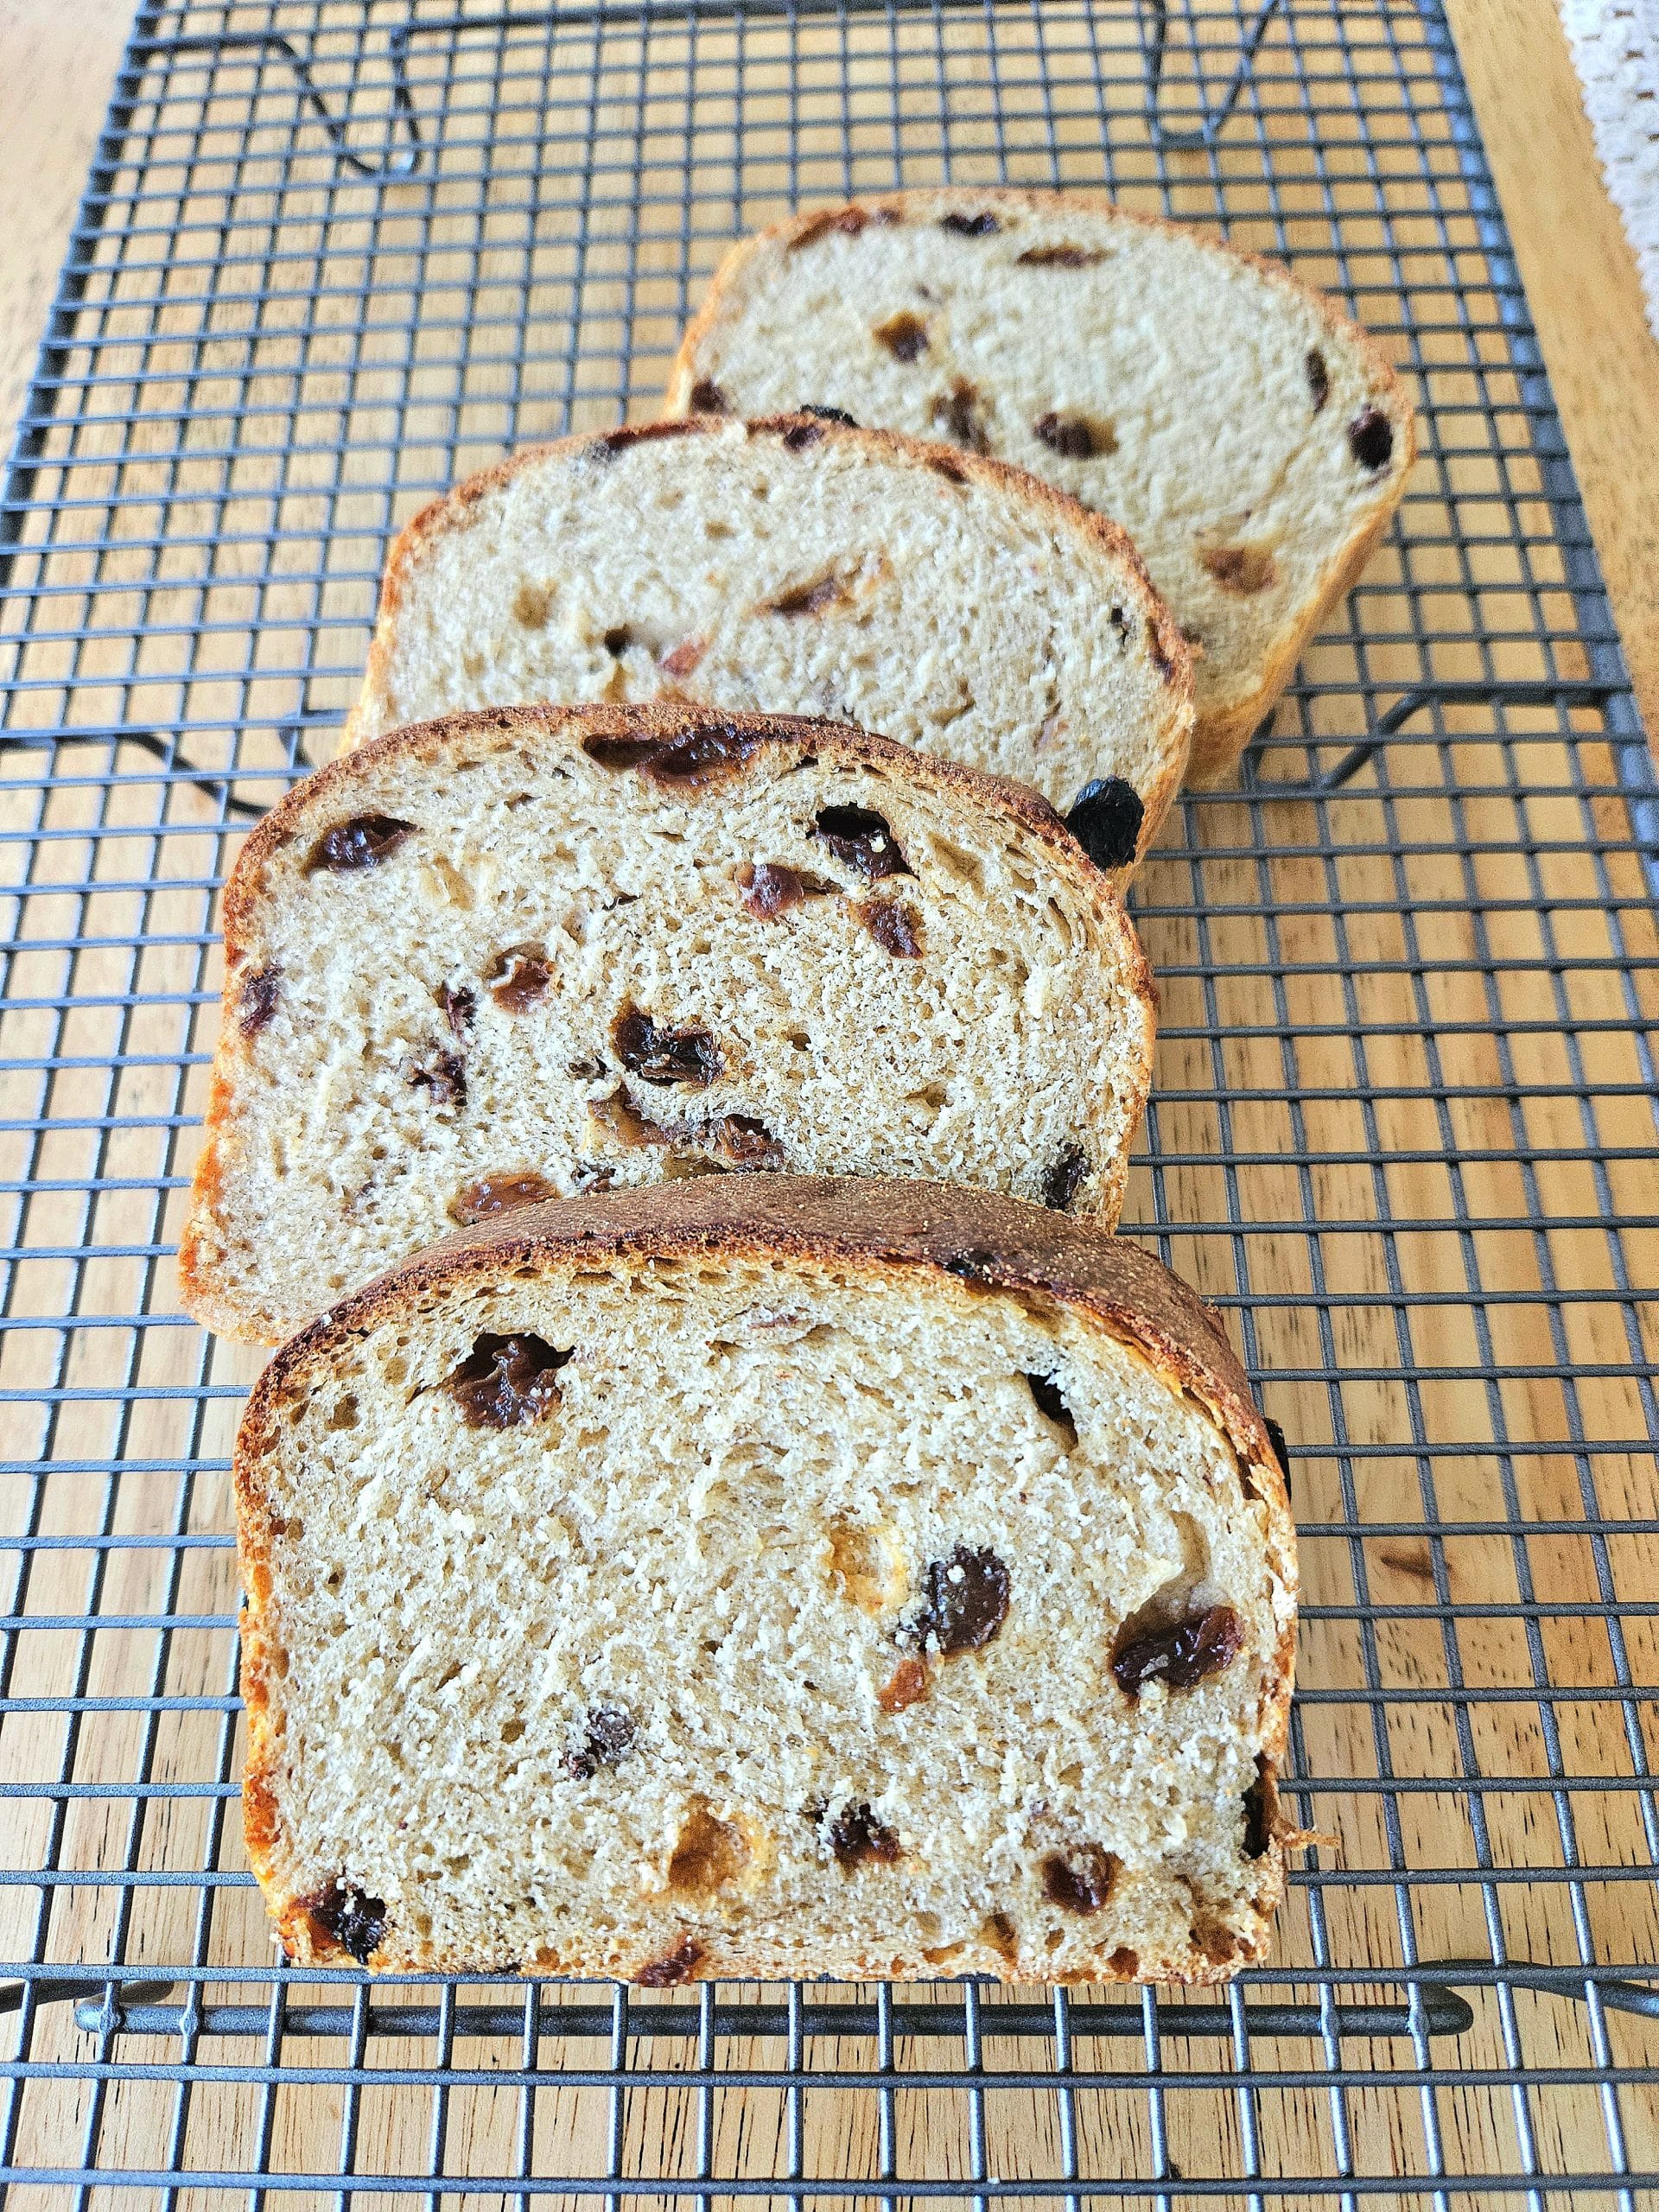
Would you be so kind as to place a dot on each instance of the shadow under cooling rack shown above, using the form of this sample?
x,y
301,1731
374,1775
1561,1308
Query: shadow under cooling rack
x,y
331,257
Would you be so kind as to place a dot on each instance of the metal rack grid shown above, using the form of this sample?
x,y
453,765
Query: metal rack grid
x,y
332,254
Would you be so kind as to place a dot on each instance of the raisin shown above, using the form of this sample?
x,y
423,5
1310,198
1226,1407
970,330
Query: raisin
x,y
808,598
702,756
908,1687
745,1142
1282,1450
458,1007
904,334
1259,1802
1105,819
1370,439
1074,437
849,222
975,1265
958,411
685,656
708,398
507,1381
519,977
606,1740
1064,1178
856,1836
829,414
860,838
681,1964
896,927
444,1075
770,889
1051,1402
1319,376
612,442
495,1194
1123,628
664,1055
970,226
365,842
1241,569
356,1923
965,1601
801,437
1059,256
1180,1655
257,1000
1081,1881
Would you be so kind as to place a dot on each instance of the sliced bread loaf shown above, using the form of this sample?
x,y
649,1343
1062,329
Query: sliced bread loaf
x,y
779,1578
512,954
1251,439
796,567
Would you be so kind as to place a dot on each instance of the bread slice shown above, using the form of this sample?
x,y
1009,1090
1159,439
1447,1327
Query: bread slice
x,y
515,954
795,567
1251,439
777,1578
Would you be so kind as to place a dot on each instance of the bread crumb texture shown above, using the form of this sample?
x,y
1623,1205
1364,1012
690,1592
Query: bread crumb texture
x,y
513,957
1248,436
579,1588
791,569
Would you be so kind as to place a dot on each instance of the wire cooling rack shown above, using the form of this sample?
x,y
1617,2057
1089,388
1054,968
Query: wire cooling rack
x,y
332,256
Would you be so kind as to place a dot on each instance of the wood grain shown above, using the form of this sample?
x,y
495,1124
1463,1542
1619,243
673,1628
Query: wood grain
x,y
1380,1103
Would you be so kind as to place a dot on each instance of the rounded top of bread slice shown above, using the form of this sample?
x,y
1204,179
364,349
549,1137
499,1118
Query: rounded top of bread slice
x,y
1251,438
984,1240
794,566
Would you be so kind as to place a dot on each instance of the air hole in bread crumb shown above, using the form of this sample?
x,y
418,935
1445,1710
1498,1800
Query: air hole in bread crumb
x,y
709,1854
1051,1404
1125,1963
531,604
512,1731
344,1414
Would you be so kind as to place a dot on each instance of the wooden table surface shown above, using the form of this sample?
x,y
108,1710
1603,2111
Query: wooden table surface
x,y
57,62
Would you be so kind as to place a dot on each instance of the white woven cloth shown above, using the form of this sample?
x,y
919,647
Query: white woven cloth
x,y
1615,47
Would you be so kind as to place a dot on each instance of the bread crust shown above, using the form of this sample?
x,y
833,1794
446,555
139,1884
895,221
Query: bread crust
x,y
1170,651
565,729
983,1243
1222,732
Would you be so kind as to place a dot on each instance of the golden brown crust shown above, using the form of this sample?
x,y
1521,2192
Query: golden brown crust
x,y
1222,732
297,816
988,1245
1170,650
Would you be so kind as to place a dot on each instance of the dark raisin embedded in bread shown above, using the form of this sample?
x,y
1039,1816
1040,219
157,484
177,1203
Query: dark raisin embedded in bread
x,y
366,842
1106,819
506,1382
1181,1654
1371,434
905,336
257,999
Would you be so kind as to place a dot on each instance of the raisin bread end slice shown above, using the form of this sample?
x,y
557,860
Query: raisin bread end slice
x,y
777,1579
1251,438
